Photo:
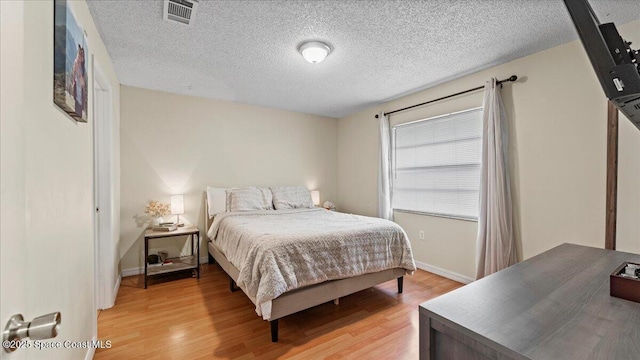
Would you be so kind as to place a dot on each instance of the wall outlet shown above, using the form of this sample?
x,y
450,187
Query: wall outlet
x,y
421,235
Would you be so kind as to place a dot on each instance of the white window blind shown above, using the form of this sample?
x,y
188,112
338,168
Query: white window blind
x,y
436,164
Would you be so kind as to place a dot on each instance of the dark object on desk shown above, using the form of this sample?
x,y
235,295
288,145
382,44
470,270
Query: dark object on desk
x,y
624,287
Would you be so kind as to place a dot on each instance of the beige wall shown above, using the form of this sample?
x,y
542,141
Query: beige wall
x,y
557,117
51,177
628,226
173,144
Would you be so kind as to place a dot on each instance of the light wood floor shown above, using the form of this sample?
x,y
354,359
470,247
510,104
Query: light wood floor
x,y
202,319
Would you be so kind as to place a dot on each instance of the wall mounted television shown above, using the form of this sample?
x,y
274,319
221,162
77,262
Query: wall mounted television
x,y
612,58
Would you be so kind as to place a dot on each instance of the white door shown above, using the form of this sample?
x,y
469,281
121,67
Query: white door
x,y
13,253
46,222
105,255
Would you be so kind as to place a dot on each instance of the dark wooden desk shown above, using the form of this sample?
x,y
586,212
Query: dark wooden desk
x,y
553,306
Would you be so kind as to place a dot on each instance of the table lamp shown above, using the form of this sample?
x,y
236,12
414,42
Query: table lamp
x,y
177,207
315,196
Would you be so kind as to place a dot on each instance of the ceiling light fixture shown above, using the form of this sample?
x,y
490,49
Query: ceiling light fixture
x,y
314,51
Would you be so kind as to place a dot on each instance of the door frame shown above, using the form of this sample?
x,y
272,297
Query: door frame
x,y
105,285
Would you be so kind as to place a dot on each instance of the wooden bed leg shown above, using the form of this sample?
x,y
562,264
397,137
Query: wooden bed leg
x,y
212,261
400,282
274,330
232,285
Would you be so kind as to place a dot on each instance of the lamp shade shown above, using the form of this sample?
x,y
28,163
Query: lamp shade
x,y
315,196
177,204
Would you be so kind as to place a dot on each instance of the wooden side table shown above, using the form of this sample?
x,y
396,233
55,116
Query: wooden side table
x,y
180,263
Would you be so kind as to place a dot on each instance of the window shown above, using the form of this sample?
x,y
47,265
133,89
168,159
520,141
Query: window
x,y
436,165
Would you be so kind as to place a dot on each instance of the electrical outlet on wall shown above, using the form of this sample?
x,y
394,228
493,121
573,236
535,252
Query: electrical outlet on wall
x,y
421,235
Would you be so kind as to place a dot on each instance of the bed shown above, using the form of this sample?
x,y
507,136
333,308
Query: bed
x,y
289,260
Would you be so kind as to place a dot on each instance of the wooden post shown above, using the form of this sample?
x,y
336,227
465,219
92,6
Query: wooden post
x,y
612,176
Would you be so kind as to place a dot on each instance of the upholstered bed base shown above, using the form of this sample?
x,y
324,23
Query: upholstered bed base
x,y
309,296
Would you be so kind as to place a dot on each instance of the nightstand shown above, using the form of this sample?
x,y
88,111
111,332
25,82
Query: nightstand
x,y
180,263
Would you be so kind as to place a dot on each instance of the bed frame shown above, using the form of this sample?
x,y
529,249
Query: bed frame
x,y
308,296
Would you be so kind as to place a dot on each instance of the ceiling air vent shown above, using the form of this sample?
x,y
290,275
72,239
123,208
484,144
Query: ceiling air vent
x,y
182,11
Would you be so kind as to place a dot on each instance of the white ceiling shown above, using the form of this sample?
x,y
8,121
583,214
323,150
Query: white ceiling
x,y
246,51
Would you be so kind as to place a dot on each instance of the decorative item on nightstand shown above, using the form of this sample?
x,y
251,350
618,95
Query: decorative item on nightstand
x,y
156,210
165,227
329,205
163,255
177,207
315,196
153,259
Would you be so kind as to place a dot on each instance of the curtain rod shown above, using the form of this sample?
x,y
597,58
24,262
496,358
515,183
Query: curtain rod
x,y
511,78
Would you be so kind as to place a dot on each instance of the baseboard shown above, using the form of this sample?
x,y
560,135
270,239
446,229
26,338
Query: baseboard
x,y
445,273
116,288
140,270
131,272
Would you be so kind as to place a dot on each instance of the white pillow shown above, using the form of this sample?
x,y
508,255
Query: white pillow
x,y
216,200
250,198
228,198
291,197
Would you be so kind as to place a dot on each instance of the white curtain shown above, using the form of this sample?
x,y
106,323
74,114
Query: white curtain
x,y
495,247
384,169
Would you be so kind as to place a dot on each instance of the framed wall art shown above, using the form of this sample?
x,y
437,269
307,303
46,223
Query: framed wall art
x,y
70,63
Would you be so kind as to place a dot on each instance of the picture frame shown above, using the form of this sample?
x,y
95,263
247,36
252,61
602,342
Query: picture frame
x,y
70,63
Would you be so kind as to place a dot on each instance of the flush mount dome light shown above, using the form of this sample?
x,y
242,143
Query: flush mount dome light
x,y
314,51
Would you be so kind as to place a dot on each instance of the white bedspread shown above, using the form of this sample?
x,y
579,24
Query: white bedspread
x,y
281,250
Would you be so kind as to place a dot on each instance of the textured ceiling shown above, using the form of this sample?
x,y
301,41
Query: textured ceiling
x,y
246,51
